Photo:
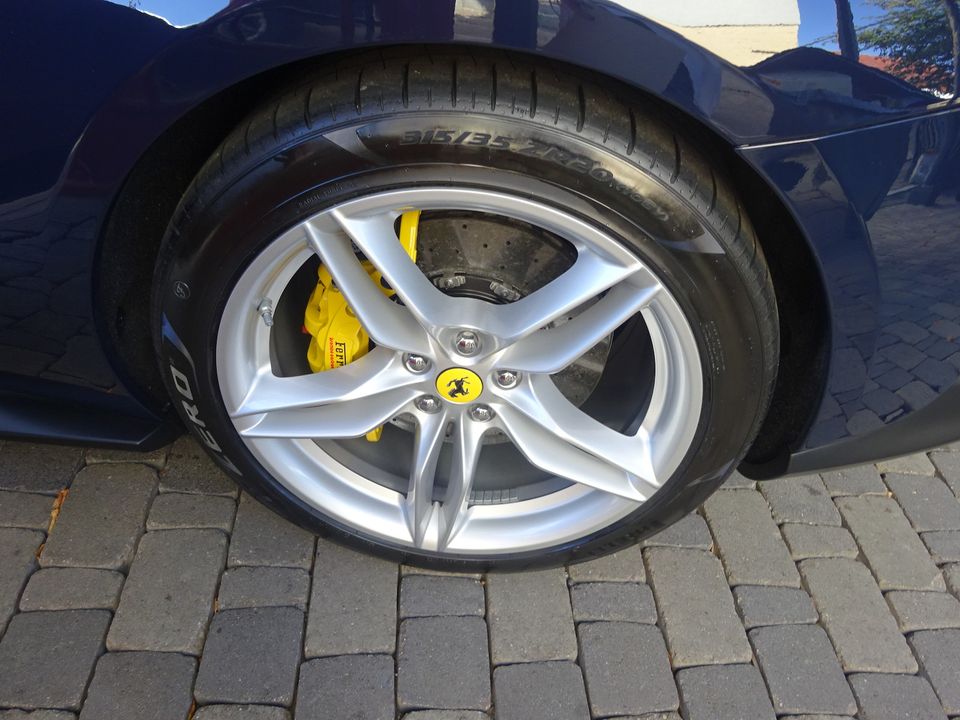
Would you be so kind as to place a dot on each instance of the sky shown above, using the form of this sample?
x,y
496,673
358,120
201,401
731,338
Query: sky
x,y
819,18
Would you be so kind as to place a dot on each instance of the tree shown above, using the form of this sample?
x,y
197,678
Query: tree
x,y
920,38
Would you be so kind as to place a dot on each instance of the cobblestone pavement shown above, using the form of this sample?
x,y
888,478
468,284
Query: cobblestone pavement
x,y
145,587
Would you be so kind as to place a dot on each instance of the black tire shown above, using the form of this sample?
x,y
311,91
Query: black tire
x,y
373,122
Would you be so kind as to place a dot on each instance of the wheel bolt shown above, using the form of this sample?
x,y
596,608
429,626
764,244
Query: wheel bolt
x,y
507,378
428,404
416,363
481,413
467,343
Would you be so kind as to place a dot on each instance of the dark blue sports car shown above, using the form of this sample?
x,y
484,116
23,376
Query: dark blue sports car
x,y
483,282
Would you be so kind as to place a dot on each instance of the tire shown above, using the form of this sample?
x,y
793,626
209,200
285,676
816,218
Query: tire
x,y
506,131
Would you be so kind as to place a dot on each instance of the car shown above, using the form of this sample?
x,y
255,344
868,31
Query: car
x,y
479,284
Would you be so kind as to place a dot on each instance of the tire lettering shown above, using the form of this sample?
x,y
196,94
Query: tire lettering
x,y
581,164
182,383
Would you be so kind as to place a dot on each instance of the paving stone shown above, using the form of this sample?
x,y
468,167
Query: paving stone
x,y
924,610
530,617
168,597
916,464
18,558
540,691
626,668
882,401
917,395
190,470
944,546
36,715
856,618
951,574
895,553
264,587
72,589
251,656
696,608
926,501
737,481
801,670
821,717
25,510
936,373
948,465
903,355
353,603
622,566
894,379
142,685
909,332
861,480
802,499
349,686
895,697
723,692
760,606
37,643
443,663
261,537
174,511
432,596
812,541
37,468
446,715
415,570
748,540
938,652
689,531
241,712
624,602
154,458
102,518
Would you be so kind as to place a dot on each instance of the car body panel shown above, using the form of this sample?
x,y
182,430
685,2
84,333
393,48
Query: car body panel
x,y
845,145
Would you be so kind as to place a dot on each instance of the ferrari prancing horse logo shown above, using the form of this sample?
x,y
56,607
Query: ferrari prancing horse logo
x,y
459,385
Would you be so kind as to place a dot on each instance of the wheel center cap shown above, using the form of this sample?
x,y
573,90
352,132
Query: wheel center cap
x,y
459,385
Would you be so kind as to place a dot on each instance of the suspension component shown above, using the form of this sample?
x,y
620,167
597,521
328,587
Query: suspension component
x,y
337,337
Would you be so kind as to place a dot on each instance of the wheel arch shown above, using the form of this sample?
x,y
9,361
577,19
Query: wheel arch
x,y
160,175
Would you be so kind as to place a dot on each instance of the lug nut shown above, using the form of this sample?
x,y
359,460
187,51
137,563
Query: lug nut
x,y
467,343
507,378
481,413
416,363
428,404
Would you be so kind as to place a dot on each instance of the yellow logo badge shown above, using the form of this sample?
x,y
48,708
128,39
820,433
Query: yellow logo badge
x,y
459,385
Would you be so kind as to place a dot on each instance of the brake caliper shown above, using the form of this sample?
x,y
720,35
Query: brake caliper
x,y
336,336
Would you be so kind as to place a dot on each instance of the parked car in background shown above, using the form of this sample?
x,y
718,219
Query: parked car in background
x,y
476,283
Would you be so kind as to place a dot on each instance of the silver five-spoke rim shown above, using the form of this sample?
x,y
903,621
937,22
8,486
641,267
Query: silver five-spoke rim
x,y
280,419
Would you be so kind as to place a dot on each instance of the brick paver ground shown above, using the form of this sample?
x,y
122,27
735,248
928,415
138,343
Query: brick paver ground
x,y
145,586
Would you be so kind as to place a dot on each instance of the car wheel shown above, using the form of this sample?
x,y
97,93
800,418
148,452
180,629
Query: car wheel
x,y
465,311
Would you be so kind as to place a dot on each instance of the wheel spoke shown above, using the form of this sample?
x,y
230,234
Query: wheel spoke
x,y
467,443
373,373
348,419
542,403
587,278
554,455
375,236
428,441
550,350
388,323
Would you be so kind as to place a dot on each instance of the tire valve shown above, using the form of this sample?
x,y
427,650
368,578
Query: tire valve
x,y
265,308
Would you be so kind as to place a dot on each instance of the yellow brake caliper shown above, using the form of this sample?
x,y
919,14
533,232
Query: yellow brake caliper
x,y
337,337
